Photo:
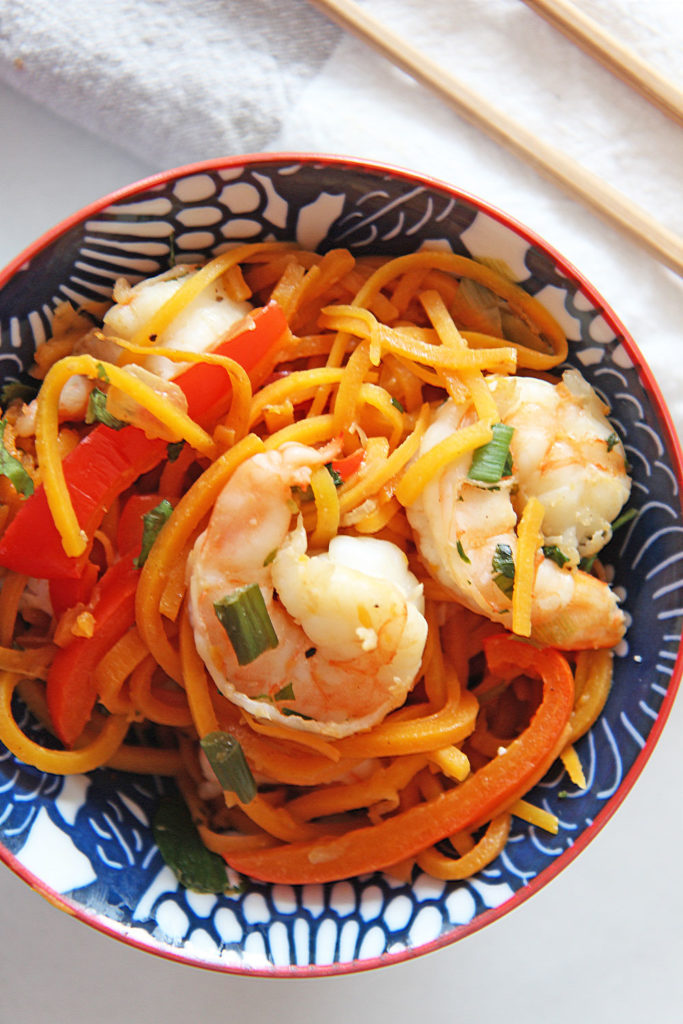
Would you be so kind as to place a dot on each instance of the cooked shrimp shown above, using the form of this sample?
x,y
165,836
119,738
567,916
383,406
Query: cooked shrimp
x,y
197,328
564,452
349,620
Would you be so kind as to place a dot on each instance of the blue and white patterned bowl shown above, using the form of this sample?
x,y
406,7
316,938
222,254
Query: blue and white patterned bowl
x,y
85,842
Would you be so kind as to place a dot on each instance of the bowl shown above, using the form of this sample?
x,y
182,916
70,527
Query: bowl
x,y
85,843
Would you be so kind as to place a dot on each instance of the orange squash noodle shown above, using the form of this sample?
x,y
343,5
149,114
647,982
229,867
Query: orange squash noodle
x,y
373,347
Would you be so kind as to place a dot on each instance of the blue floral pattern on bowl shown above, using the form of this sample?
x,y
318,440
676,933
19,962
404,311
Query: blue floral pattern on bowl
x,y
86,842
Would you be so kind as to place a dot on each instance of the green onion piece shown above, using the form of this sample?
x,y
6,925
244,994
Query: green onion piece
x,y
13,469
396,404
173,450
226,757
461,552
503,564
244,617
612,440
334,474
182,849
152,522
270,557
492,460
102,373
97,411
554,553
586,564
624,518
17,389
286,693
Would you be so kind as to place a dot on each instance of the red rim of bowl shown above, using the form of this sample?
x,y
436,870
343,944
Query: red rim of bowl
x,y
148,943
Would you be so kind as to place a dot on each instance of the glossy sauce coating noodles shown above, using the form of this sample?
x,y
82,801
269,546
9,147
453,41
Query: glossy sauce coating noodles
x,y
320,530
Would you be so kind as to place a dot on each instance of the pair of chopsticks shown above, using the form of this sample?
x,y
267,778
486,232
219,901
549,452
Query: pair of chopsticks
x,y
547,160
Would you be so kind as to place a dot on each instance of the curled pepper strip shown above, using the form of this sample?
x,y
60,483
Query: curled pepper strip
x,y
106,462
71,688
482,796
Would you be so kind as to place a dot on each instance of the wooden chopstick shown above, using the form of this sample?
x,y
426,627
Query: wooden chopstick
x,y
548,161
614,55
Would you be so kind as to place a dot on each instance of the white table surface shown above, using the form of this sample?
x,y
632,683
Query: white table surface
x,y
602,942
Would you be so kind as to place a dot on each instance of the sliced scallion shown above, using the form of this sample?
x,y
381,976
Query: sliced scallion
x,y
173,450
180,846
97,411
286,693
14,389
492,460
152,523
336,477
243,615
461,552
555,554
503,565
624,518
226,757
12,468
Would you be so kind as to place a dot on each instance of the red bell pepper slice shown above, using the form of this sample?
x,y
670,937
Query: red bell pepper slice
x,y
346,466
205,385
485,793
130,527
107,461
99,468
65,593
71,692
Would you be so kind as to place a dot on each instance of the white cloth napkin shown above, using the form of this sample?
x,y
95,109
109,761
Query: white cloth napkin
x,y
179,80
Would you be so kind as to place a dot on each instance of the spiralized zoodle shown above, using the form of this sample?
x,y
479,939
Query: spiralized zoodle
x,y
361,623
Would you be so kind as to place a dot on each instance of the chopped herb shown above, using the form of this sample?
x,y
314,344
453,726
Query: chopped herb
x,y
461,552
270,557
102,373
397,405
555,554
14,389
503,565
152,523
226,757
12,468
173,450
586,564
624,518
181,848
612,440
310,652
303,493
563,794
97,411
334,474
286,693
244,617
492,460
298,714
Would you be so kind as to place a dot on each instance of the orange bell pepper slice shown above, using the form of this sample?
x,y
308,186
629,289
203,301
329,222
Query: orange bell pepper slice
x,y
486,793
